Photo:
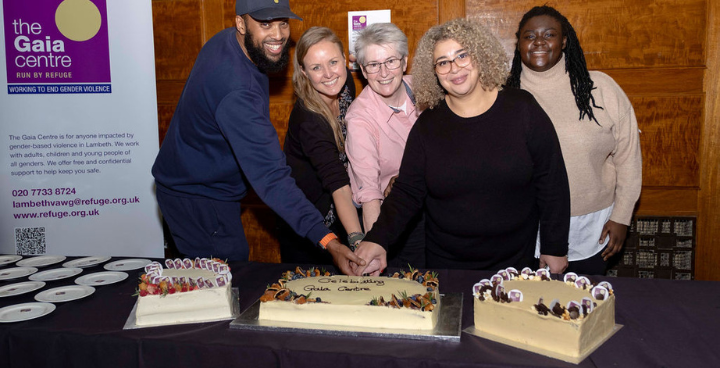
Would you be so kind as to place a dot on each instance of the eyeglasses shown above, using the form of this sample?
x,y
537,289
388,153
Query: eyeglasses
x,y
390,64
445,66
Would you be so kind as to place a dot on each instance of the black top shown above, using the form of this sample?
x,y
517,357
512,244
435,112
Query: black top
x,y
486,182
318,167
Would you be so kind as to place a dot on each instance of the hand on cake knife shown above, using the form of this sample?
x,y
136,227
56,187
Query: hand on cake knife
x,y
344,257
375,256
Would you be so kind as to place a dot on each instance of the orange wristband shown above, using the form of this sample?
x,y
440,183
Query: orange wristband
x,y
326,239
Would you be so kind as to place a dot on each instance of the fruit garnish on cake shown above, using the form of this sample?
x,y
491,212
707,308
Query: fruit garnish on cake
x,y
405,300
424,302
278,291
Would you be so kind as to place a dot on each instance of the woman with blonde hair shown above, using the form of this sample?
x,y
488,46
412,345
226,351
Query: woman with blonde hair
x,y
315,140
484,162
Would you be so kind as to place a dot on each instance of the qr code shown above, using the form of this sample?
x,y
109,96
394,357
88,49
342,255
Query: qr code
x,y
30,240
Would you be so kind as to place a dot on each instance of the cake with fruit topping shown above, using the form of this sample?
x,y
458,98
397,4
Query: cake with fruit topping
x,y
568,318
185,291
405,300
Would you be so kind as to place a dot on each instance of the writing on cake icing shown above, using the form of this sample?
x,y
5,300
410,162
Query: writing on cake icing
x,y
326,280
340,288
356,288
315,288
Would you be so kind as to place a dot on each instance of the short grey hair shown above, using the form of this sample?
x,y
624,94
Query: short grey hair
x,y
381,34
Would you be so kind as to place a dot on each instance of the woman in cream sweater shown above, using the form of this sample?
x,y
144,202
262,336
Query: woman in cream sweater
x,y
598,134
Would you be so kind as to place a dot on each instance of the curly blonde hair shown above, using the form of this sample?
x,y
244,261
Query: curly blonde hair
x,y
486,51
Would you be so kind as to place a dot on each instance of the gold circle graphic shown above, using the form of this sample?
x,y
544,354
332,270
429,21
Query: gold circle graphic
x,y
78,20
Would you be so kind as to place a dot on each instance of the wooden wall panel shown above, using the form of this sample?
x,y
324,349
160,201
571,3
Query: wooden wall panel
x,y
259,222
178,37
165,113
707,257
614,33
664,54
450,9
181,28
280,114
670,140
662,201
644,82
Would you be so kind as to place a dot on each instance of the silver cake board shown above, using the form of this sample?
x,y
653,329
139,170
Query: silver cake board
x,y
448,326
131,324
552,354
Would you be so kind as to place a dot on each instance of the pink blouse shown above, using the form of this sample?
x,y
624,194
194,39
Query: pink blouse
x,y
376,136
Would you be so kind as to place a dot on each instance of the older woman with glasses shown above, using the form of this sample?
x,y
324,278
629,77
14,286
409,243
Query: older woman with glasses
x,y
484,163
379,121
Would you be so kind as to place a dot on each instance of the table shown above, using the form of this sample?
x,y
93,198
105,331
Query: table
x,y
667,323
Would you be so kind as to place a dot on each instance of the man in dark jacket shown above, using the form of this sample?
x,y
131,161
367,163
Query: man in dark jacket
x,y
221,140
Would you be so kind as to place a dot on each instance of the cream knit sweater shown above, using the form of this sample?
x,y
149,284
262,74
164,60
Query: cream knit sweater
x,y
603,162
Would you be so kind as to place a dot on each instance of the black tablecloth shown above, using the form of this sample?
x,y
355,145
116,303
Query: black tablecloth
x,y
666,324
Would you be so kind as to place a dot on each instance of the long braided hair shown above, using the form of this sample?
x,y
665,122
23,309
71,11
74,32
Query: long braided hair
x,y
575,65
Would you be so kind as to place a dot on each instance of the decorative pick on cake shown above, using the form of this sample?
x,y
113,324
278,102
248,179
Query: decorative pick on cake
x,y
504,274
573,309
587,305
515,295
570,277
582,282
153,282
599,293
543,274
483,289
498,293
494,289
527,273
607,286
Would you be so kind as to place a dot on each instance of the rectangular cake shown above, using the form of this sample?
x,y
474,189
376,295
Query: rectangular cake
x,y
568,317
186,291
407,300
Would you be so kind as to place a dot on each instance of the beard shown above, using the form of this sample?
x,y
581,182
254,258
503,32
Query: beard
x,y
259,57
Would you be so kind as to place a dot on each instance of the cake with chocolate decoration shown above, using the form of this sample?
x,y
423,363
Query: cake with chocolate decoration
x,y
569,317
184,291
405,300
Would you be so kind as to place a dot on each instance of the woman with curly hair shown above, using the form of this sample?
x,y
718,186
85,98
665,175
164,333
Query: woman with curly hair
x,y
598,134
484,163
314,144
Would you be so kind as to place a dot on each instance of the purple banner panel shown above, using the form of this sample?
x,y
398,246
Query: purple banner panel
x,y
15,89
56,41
